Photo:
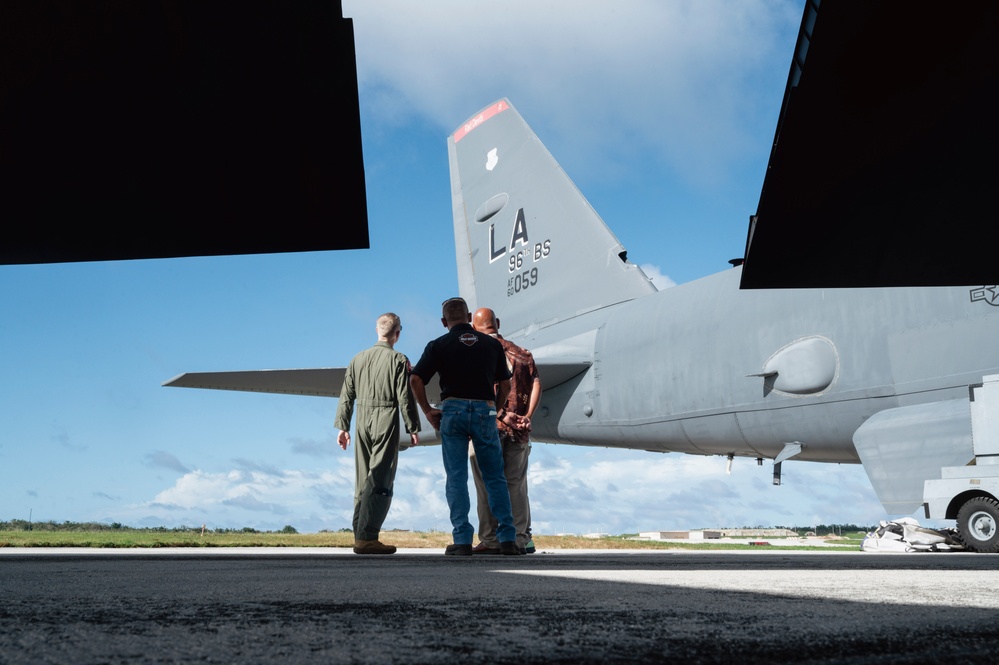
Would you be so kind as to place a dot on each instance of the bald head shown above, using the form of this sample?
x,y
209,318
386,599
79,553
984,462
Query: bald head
x,y
484,320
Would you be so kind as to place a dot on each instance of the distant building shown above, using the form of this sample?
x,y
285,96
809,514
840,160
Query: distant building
x,y
755,533
714,534
680,535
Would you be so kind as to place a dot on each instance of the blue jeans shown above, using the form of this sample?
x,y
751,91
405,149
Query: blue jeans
x,y
465,419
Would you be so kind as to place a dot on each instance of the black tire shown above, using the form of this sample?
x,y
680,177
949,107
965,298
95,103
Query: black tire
x,y
978,524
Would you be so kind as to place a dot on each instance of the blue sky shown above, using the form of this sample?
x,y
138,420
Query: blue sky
x,y
661,112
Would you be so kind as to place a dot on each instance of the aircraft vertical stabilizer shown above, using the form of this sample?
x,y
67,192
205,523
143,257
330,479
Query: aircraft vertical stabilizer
x,y
528,244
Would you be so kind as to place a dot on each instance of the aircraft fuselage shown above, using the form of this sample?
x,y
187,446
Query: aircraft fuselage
x,y
705,368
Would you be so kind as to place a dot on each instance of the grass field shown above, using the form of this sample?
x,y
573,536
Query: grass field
x,y
124,538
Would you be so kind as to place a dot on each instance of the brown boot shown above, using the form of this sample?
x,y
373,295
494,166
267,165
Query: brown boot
x,y
372,547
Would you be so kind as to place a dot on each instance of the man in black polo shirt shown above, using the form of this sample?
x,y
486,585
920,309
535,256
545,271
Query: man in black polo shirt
x,y
469,363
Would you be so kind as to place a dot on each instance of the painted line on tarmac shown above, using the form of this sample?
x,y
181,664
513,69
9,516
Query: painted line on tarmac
x,y
944,588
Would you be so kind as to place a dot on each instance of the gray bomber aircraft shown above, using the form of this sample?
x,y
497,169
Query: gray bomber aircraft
x,y
874,376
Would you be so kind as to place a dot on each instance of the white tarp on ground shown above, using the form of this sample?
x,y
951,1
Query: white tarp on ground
x,y
905,535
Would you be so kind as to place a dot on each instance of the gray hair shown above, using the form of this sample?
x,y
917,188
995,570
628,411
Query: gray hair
x,y
387,324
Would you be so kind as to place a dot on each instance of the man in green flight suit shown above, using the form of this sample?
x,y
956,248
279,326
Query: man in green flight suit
x,y
378,379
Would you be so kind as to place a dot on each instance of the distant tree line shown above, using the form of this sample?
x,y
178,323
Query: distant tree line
x,y
24,525
840,529
823,529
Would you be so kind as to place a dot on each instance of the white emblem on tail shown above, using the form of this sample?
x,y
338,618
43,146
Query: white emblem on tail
x,y
987,293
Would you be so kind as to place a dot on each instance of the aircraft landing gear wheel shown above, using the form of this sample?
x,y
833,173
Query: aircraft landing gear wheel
x,y
978,524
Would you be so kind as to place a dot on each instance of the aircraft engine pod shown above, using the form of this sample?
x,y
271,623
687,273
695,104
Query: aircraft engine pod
x,y
804,367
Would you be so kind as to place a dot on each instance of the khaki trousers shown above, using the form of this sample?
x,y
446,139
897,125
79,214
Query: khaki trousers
x,y
515,458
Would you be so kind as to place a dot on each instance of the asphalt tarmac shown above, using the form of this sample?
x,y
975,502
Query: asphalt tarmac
x,y
418,606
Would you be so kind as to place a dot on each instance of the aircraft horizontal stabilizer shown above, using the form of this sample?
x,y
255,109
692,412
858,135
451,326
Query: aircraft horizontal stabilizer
x,y
556,372
900,448
321,382
564,360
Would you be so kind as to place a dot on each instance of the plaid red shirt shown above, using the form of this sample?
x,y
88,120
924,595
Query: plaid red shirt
x,y
524,373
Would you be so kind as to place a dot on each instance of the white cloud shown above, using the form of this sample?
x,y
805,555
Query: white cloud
x,y
314,447
621,491
419,501
259,498
660,280
573,489
676,79
161,458
62,438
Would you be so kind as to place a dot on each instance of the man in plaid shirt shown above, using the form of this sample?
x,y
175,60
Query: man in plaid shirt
x,y
514,425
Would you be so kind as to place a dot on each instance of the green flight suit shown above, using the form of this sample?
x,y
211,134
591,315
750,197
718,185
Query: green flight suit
x,y
378,379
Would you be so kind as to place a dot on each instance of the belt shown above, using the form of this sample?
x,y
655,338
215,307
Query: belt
x,y
375,402
487,402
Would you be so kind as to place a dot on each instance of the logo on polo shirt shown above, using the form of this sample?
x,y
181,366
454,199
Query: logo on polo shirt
x,y
468,339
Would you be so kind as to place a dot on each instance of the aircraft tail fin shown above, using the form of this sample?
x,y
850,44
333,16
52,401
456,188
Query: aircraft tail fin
x,y
528,244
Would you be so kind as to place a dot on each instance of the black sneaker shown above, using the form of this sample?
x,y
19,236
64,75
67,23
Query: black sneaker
x,y
509,547
459,550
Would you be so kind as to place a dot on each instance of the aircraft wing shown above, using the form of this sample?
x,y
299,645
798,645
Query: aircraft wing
x,y
320,382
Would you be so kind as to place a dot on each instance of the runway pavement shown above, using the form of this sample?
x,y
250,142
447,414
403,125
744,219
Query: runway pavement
x,y
594,606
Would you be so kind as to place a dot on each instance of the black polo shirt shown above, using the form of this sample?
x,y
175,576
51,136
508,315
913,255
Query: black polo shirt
x,y
469,363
